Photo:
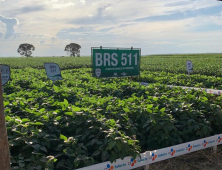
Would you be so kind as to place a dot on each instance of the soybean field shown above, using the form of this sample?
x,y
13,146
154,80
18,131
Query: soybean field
x,y
81,120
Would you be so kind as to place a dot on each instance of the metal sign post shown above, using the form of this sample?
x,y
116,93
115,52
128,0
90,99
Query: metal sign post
x,y
115,62
4,146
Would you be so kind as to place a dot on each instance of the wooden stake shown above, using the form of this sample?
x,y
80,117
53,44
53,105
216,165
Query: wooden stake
x,y
4,147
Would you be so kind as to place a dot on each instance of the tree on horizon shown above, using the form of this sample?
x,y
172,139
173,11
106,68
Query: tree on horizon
x,y
26,49
73,49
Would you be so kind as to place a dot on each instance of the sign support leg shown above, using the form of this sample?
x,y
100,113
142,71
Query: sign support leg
x,y
146,167
4,146
214,149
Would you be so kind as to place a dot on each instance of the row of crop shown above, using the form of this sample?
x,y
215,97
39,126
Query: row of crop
x,y
204,64
38,62
195,80
81,120
208,64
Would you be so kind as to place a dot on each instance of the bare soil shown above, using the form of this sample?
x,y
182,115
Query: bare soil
x,y
200,160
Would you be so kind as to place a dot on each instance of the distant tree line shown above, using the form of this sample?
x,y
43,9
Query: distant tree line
x,y
26,49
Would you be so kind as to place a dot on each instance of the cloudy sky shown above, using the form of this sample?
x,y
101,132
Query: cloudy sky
x,y
155,26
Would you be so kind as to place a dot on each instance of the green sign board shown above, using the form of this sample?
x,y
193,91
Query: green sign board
x,y
115,62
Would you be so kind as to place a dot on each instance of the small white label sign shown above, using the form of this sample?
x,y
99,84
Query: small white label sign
x,y
5,73
189,66
53,71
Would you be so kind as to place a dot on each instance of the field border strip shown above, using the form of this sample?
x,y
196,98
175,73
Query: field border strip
x,y
185,148
125,164
150,157
210,91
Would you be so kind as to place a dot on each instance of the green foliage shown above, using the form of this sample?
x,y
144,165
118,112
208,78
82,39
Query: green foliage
x,y
195,80
204,64
80,120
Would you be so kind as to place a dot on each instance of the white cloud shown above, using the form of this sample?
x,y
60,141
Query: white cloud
x,y
88,14
112,23
10,25
1,34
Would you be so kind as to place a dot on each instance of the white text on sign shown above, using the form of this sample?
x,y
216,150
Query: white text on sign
x,y
52,68
108,59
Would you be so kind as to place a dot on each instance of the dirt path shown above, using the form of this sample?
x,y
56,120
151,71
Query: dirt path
x,y
200,160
